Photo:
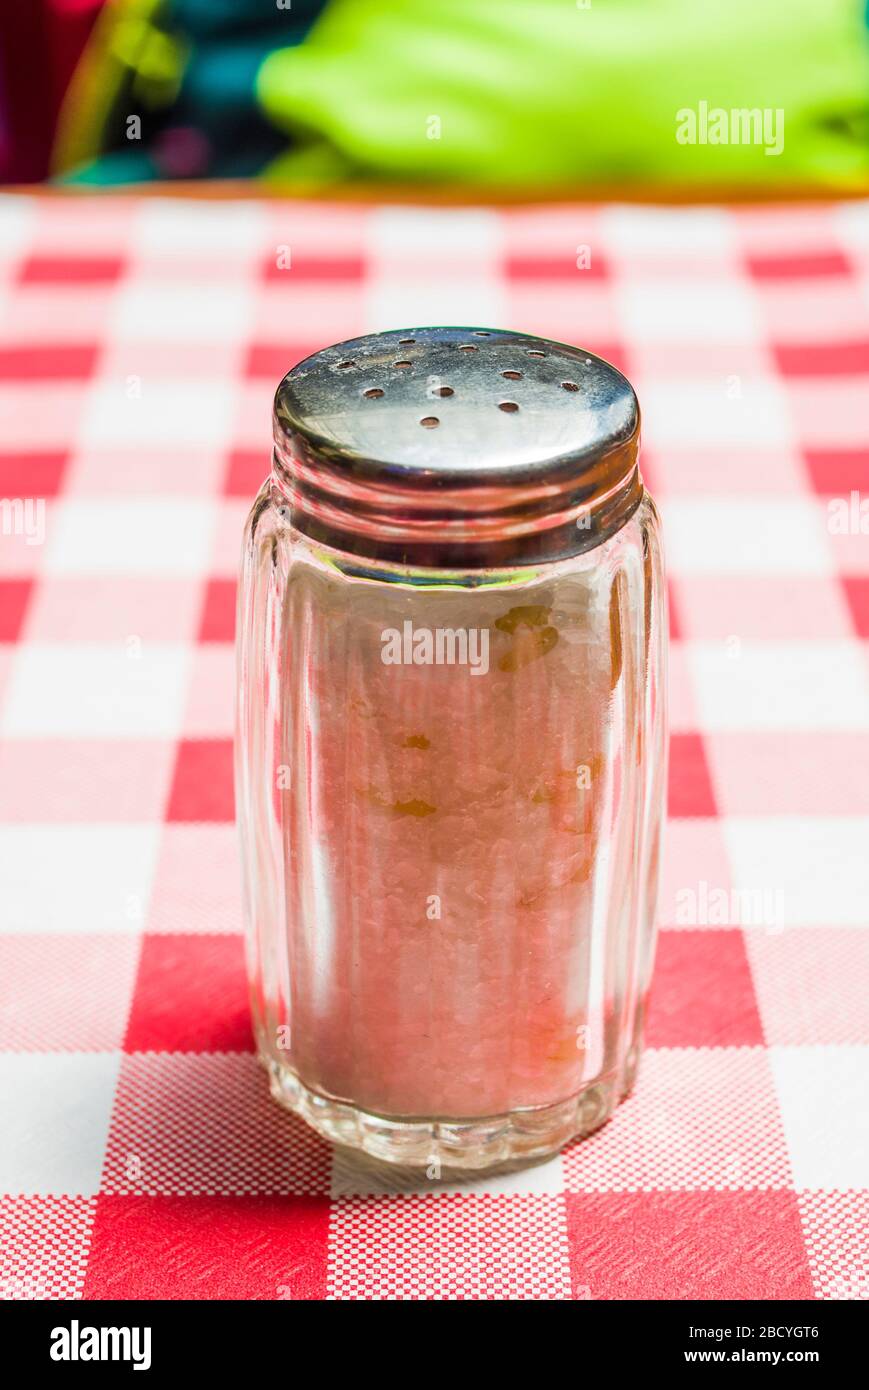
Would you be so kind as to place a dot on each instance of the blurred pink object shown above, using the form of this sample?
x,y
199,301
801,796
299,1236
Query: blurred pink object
x,y
44,37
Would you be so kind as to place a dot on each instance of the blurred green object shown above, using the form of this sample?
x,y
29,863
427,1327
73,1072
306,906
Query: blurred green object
x,y
555,94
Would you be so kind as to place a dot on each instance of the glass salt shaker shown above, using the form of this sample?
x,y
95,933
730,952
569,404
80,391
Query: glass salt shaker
x,y
451,745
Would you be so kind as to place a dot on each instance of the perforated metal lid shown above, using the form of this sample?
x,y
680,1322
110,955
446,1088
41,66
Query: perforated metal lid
x,y
450,447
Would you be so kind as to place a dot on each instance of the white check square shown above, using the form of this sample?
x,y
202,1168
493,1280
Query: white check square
x,y
91,690
640,232
131,535
668,310
157,312
779,685
76,878
820,865
746,535
851,222
417,233
706,414
822,1094
56,1108
472,293
145,412
18,218
171,228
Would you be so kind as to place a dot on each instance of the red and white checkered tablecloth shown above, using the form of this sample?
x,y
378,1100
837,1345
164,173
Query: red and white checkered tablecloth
x,y
140,343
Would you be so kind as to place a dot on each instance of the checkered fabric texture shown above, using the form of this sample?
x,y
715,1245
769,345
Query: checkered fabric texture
x,y
140,1155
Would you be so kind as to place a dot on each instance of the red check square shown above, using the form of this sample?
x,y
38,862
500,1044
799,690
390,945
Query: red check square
x,y
262,1247
836,472
311,267
202,788
71,270
14,598
690,790
272,361
856,588
676,631
798,266
246,472
610,352
57,361
31,475
218,612
190,996
822,359
556,267
675,1245
702,992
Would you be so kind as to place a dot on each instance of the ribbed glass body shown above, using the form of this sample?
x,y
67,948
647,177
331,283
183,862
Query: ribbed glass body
x,y
450,789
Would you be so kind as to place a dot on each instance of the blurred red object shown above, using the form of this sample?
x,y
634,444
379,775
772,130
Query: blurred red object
x,y
41,42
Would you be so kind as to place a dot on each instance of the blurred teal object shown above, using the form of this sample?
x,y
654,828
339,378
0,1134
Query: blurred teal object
x,y
188,69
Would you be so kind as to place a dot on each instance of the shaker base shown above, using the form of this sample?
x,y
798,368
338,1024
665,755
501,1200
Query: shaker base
x,y
439,1144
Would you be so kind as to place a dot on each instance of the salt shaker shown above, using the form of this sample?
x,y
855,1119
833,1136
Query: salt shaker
x,y
451,745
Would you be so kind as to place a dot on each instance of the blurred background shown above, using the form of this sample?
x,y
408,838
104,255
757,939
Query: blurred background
x,y
530,96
